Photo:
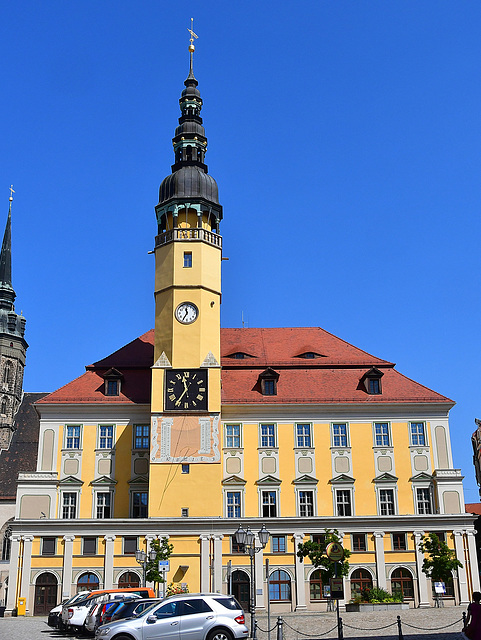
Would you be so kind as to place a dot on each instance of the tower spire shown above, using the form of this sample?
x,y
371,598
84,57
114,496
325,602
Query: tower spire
x,y
7,294
192,48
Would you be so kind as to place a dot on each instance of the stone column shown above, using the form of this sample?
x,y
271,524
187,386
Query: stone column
x,y
473,558
109,562
13,574
148,540
217,586
67,566
462,575
300,582
27,566
380,562
204,563
422,580
259,571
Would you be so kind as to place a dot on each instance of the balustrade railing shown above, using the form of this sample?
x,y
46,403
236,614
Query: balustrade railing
x,y
188,233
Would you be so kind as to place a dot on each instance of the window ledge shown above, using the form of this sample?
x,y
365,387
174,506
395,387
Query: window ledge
x,y
72,450
341,449
265,449
307,449
110,450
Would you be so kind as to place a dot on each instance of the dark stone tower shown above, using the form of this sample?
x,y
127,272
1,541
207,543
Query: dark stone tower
x,y
13,347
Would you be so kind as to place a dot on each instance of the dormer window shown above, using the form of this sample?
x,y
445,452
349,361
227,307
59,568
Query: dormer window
x,y
371,382
268,382
239,355
309,355
113,379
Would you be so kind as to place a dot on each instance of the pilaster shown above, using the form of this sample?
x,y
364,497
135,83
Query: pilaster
x,y
380,561
462,574
148,540
473,559
67,566
259,576
13,574
26,568
204,563
217,586
422,580
109,561
300,583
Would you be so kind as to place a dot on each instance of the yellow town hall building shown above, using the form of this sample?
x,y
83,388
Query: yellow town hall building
x,y
191,430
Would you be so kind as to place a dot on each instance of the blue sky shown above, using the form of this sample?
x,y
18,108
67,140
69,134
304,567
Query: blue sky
x,y
345,138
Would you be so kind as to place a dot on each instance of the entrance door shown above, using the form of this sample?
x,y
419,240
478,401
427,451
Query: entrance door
x,y
45,594
241,588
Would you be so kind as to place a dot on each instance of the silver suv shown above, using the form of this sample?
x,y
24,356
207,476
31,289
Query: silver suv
x,y
187,616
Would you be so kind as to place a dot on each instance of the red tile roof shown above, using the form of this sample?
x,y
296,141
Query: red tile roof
x,y
332,378
473,507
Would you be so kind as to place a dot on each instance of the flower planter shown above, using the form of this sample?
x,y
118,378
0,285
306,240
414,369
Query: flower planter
x,y
363,607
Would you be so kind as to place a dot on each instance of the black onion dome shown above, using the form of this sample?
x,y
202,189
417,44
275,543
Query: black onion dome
x,y
189,182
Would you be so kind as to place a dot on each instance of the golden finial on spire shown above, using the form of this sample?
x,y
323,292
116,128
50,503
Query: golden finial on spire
x,y
11,192
192,36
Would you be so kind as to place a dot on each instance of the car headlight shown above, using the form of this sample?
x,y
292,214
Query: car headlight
x,y
103,632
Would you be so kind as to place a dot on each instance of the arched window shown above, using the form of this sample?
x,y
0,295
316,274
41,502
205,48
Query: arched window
x,y
402,582
315,585
4,406
360,580
129,579
6,544
7,372
280,586
87,581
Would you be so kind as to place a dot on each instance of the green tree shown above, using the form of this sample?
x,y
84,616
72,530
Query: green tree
x,y
440,561
316,552
164,549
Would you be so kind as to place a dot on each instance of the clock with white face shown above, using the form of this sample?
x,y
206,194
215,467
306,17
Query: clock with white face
x,y
186,313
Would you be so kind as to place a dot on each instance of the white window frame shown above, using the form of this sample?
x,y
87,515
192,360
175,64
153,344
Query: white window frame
x,y
63,494
349,491
96,505
226,435
333,435
423,487
406,545
228,490
274,435
66,437
130,555
274,490
303,436
100,437
131,509
379,503
278,535
298,501
359,533
96,546
416,435
389,434
141,436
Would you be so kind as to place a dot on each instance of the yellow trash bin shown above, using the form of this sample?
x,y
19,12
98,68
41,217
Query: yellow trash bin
x,y
22,606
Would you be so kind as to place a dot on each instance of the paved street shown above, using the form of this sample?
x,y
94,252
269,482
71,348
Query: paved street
x,y
439,621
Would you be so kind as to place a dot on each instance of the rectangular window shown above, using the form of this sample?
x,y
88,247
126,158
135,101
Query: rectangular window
x,y
386,501
423,498
303,435
103,506
141,436
306,504
140,501
382,434
359,542
278,544
89,546
339,434
233,504
49,546
185,468
417,434
130,545
72,440
106,436
69,506
268,387
343,502
184,512
374,385
268,435
399,542
233,436
236,547
112,388
441,535
319,538
187,259
269,504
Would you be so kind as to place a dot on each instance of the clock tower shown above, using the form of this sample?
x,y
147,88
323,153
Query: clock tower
x,y
185,426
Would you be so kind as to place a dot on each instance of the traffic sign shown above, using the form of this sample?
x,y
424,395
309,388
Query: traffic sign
x,y
164,565
334,552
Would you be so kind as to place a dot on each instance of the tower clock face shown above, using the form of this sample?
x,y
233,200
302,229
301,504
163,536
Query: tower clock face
x,y
186,312
186,390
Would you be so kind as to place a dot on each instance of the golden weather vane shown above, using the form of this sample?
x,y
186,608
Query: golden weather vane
x,y
192,35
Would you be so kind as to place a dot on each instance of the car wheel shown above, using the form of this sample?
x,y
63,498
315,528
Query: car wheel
x,y
220,634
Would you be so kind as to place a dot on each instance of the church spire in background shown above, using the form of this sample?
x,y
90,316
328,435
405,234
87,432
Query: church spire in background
x,y
7,294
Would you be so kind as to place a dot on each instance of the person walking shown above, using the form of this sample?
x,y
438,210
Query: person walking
x,y
472,630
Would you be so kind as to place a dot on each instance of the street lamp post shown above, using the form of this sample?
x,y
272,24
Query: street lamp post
x,y
143,559
247,540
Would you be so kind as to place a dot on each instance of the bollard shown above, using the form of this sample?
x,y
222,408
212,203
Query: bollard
x,y
280,632
255,629
340,632
399,627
